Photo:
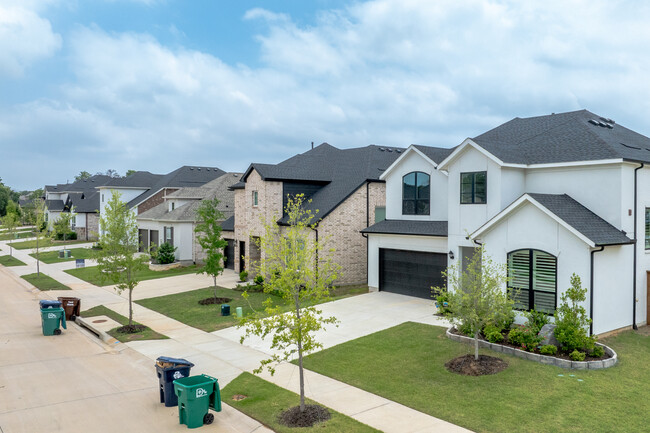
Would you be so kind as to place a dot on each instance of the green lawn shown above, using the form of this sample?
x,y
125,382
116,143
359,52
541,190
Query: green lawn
x,y
53,256
406,364
185,307
21,235
10,261
147,334
44,282
44,243
92,275
265,402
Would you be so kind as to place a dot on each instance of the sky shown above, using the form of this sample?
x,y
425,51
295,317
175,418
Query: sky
x,y
157,84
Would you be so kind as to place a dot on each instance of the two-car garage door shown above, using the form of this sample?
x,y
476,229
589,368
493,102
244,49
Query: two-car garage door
x,y
411,273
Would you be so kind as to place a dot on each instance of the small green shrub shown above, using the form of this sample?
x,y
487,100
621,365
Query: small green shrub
x,y
493,335
548,349
70,236
466,329
598,352
507,321
536,319
577,355
259,280
525,337
572,321
165,253
442,303
243,276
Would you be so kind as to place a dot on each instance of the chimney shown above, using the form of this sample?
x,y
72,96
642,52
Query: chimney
x,y
312,145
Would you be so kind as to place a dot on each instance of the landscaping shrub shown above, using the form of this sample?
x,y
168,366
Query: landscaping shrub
x,y
537,319
466,329
598,352
259,280
165,253
549,349
442,303
525,337
506,321
70,236
493,334
577,355
571,319
243,276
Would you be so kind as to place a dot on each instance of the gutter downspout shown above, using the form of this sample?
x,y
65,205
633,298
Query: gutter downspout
x,y
635,248
591,290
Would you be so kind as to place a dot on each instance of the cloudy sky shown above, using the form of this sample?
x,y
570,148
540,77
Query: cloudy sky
x,y
156,84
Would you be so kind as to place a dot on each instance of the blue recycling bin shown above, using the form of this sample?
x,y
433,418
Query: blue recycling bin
x,y
169,370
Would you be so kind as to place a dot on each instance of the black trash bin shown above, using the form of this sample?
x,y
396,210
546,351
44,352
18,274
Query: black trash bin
x,y
168,370
225,310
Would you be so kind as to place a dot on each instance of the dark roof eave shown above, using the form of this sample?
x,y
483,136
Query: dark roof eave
x,y
401,234
630,242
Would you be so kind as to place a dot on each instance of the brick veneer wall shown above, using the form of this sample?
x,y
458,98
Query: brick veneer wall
x,y
92,221
155,199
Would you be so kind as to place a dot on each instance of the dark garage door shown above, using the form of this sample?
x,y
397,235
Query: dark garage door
x,y
229,254
410,273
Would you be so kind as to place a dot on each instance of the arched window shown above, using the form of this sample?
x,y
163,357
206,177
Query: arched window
x,y
415,193
533,278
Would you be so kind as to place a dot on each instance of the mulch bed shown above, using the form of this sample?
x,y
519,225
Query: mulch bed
x,y
213,300
312,414
468,366
131,329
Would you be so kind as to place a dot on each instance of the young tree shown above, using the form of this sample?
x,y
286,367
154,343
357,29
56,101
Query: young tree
x,y
39,218
61,228
118,260
11,221
301,271
209,237
476,295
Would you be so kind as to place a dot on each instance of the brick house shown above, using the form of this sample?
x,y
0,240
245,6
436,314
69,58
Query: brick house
x,y
344,187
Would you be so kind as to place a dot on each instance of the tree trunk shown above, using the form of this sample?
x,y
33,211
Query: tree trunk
x,y
38,269
476,345
214,278
300,369
130,306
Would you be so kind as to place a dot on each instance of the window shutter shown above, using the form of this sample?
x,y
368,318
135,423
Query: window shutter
x,y
171,235
519,270
544,281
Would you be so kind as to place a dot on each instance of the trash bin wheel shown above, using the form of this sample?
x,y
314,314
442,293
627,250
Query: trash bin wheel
x,y
208,418
73,317
57,332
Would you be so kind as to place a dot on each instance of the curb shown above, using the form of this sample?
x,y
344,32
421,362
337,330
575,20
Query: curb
x,y
87,323
542,359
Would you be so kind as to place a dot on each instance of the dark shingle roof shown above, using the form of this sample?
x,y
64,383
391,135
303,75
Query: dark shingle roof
x,y
229,224
55,205
563,137
409,227
339,171
593,227
139,179
87,202
436,154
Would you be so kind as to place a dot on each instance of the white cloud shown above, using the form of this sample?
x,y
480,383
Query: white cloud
x,y
25,38
386,71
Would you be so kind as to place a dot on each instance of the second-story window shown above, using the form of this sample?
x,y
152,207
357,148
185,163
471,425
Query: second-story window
x,y
416,194
647,228
173,205
254,198
473,188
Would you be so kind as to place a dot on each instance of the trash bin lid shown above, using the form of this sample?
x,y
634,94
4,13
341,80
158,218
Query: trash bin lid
x,y
175,361
49,304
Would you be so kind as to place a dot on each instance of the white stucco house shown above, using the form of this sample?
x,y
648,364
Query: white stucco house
x,y
549,196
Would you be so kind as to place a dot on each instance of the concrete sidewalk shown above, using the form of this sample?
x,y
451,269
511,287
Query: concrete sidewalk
x,y
74,383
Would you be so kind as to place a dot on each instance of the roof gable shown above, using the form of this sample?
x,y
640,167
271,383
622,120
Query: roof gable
x,y
433,156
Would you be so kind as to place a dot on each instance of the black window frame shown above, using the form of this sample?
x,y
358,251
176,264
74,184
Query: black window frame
x,y
473,193
647,228
531,290
417,200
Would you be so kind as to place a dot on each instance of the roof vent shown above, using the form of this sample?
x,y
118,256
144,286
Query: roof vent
x,y
389,150
191,168
593,122
398,151
198,168
604,123
381,149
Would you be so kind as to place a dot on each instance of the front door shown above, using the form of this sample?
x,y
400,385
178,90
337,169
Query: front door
x,y
242,253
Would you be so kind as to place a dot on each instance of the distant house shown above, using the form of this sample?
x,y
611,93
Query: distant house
x,y
344,185
175,219
548,196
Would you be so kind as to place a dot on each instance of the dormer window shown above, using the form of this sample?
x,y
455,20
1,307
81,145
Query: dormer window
x,y
416,194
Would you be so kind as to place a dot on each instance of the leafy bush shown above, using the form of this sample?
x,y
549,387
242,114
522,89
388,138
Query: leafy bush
x,y
165,253
506,321
577,355
69,236
536,319
493,334
525,337
259,280
243,276
571,319
598,352
442,303
466,329
548,349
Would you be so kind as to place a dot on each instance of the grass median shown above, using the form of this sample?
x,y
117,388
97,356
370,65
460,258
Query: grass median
x,y
10,261
44,243
408,367
93,276
146,334
44,282
265,402
53,256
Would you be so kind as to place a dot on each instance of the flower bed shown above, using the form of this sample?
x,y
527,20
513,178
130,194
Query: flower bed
x,y
610,361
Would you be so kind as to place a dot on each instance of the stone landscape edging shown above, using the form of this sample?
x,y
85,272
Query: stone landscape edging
x,y
165,267
542,359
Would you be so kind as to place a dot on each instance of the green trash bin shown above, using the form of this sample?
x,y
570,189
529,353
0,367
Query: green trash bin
x,y
196,395
52,317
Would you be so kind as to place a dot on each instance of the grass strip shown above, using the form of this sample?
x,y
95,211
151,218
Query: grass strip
x,y
53,256
44,282
146,334
10,261
93,276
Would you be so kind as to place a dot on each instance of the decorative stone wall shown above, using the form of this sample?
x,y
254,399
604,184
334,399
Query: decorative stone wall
x,y
542,359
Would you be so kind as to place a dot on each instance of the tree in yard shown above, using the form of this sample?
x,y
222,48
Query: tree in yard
x,y
476,296
209,238
11,221
61,228
39,217
118,261
300,270
83,175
